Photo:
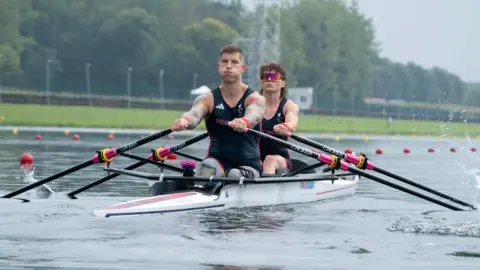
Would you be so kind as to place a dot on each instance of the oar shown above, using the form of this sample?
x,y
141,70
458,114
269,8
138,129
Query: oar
x,y
105,155
153,162
189,156
337,163
140,163
370,166
241,180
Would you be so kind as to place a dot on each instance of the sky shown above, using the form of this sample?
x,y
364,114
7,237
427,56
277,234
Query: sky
x,y
443,33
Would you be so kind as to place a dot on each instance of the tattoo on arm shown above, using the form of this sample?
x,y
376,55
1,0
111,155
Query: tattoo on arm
x,y
255,110
197,112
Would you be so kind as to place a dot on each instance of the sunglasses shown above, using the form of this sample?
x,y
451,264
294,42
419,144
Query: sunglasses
x,y
271,76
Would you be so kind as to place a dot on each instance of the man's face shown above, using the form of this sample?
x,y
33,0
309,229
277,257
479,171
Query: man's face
x,y
231,67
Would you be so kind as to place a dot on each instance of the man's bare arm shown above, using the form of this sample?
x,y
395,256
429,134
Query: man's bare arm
x,y
291,115
255,108
198,111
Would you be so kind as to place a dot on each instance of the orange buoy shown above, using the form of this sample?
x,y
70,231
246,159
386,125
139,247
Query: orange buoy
x,y
172,156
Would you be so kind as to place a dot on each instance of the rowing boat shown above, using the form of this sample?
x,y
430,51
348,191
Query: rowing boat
x,y
177,193
301,188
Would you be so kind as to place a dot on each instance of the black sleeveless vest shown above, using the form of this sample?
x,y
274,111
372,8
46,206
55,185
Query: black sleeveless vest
x,y
227,144
269,147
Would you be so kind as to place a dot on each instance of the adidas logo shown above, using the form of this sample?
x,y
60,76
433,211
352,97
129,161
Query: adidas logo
x,y
220,106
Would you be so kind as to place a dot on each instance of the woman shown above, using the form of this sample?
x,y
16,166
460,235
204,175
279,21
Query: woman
x,y
280,119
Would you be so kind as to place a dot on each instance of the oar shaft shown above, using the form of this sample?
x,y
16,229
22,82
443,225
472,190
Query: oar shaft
x,y
317,145
189,156
346,167
108,154
104,179
380,170
420,186
404,189
140,163
153,162
49,179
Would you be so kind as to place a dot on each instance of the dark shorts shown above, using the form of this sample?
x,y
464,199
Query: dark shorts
x,y
229,164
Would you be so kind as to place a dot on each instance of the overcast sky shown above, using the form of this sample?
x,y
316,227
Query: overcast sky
x,y
444,33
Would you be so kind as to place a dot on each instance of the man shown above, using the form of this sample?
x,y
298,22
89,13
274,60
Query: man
x,y
280,118
228,110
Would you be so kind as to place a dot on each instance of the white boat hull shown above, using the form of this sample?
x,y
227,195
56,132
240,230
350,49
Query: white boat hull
x,y
234,195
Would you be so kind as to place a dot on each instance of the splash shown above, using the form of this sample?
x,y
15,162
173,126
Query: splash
x,y
436,226
44,191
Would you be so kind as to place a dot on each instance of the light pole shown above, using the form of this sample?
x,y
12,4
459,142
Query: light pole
x,y
87,78
160,85
129,86
353,101
195,76
0,78
47,80
335,100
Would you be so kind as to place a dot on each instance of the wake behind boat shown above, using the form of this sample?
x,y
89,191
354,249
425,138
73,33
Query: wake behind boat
x,y
301,188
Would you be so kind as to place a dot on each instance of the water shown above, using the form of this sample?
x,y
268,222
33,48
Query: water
x,y
378,228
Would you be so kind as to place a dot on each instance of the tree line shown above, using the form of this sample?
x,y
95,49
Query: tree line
x,y
326,44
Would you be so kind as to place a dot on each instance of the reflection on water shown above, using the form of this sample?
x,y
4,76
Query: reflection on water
x,y
252,219
233,267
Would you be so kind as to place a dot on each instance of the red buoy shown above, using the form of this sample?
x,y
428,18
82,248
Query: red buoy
x,y
348,151
379,151
26,161
452,149
473,149
172,156
75,137
170,137
110,137
406,151
38,137
431,150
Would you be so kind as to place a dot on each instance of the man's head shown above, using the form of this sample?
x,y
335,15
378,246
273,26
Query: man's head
x,y
231,63
273,79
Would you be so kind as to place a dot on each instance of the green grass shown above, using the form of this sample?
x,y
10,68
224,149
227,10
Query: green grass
x,y
76,116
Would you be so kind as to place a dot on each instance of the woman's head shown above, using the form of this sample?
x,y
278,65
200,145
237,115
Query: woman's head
x,y
273,78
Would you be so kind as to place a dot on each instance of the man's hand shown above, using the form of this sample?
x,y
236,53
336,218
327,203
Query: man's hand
x,y
179,124
281,129
238,124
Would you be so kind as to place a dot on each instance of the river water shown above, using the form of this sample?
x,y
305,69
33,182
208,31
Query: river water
x,y
377,228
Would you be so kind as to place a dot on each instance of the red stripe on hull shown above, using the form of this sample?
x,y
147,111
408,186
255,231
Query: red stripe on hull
x,y
150,200
333,190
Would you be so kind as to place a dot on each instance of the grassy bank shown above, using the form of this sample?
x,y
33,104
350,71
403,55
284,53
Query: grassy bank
x,y
66,116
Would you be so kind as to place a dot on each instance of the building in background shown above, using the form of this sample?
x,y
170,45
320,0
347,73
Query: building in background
x,y
302,96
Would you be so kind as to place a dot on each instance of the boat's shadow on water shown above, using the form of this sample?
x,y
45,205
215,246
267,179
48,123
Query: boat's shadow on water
x,y
233,267
252,219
